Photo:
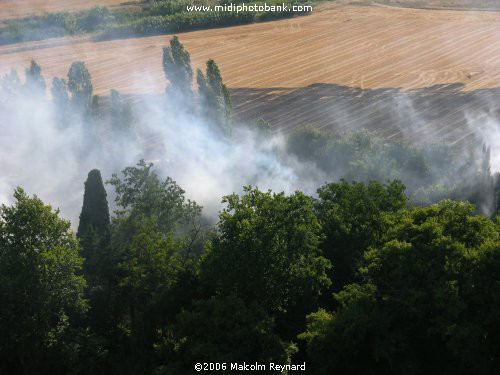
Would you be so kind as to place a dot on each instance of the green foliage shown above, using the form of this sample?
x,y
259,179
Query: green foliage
x,y
41,292
57,24
221,330
61,101
359,155
48,25
156,241
214,96
145,200
421,307
148,271
178,71
307,143
429,171
420,285
95,212
351,216
142,195
157,17
35,83
93,228
150,267
95,18
263,128
266,250
80,86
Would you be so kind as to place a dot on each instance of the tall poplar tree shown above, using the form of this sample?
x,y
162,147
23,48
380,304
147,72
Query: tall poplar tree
x,y
215,99
80,87
35,83
178,71
60,100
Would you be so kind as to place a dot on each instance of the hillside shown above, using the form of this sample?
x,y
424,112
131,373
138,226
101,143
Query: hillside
x,y
272,68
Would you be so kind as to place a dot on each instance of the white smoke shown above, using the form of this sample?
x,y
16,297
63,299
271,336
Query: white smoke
x,y
53,162
488,128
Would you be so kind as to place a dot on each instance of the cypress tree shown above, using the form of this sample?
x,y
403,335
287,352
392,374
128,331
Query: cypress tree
x,y
95,211
93,229
94,235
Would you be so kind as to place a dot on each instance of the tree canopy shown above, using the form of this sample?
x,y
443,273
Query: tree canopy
x,y
422,306
267,249
41,288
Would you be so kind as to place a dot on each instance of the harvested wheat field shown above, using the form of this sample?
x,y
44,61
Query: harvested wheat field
x,y
366,47
20,8
442,4
298,70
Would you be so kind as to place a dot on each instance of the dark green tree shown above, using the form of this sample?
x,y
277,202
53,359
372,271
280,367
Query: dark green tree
x,y
95,211
61,101
148,271
98,268
222,330
93,229
156,241
41,291
35,83
351,216
214,81
267,250
215,99
178,71
96,18
423,305
80,86
497,195
143,198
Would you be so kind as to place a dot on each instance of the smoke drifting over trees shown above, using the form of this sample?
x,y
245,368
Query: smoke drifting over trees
x,y
374,270
189,136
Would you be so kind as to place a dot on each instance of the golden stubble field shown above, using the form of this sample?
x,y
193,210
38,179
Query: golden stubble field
x,y
294,71
367,47
19,8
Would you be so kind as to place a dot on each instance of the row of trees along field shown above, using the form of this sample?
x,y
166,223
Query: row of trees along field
x,y
358,279
139,18
431,172
73,98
